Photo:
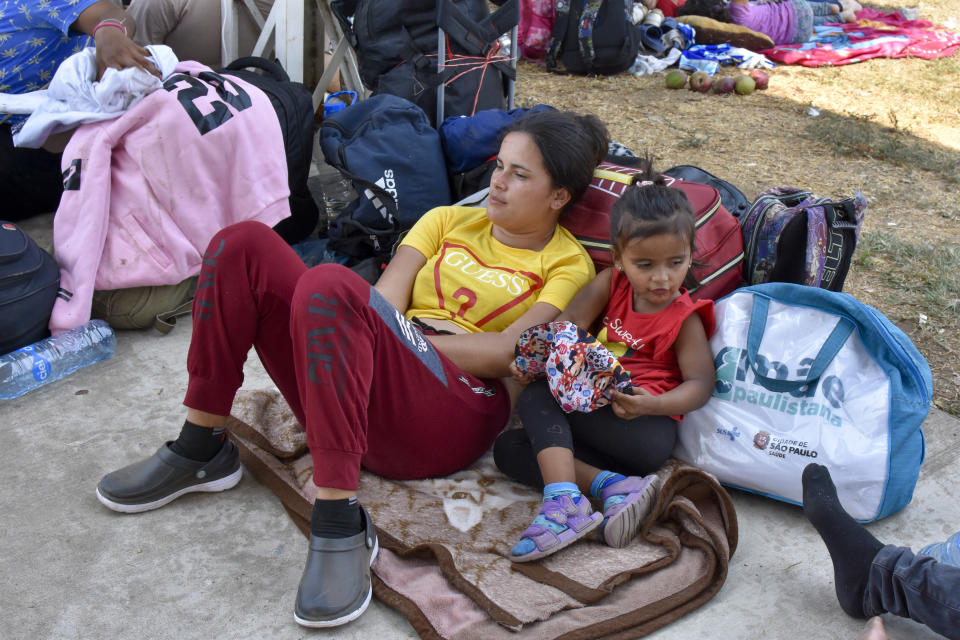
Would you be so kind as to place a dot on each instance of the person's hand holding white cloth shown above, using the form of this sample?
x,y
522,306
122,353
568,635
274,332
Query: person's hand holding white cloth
x,y
75,97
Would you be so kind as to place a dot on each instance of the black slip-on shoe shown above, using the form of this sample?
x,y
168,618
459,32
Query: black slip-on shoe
x,y
335,587
165,476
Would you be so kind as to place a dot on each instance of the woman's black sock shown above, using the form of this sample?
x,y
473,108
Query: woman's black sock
x,y
851,546
336,518
198,443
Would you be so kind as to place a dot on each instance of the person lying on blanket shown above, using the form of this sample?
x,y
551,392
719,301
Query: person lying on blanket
x,y
402,378
785,21
646,317
37,37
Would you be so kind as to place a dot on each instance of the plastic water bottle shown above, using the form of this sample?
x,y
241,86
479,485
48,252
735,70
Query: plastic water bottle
x,y
337,102
52,358
947,552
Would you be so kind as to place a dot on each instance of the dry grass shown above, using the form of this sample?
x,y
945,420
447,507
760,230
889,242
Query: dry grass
x,y
890,128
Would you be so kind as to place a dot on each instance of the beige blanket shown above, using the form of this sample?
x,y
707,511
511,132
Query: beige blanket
x,y
444,544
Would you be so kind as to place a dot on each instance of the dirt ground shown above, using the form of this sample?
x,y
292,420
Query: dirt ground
x,y
765,140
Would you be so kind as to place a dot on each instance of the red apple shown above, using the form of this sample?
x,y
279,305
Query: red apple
x,y
700,81
724,85
761,78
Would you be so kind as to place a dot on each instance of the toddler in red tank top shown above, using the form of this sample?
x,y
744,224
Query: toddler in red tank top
x,y
641,311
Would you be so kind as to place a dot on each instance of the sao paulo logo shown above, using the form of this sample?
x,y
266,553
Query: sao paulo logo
x,y
761,440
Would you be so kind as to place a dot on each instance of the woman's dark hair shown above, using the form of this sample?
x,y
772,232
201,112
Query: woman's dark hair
x,y
571,146
716,9
648,208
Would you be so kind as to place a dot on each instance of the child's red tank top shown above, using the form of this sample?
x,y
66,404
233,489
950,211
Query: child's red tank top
x,y
643,342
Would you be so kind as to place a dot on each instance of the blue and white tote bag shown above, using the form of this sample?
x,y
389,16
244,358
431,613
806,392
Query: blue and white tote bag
x,y
808,375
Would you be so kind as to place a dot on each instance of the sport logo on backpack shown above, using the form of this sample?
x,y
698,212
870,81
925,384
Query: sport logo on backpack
x,y
389,184
790,235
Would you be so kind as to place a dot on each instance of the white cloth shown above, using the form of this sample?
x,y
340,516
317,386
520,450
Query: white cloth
x,y
21,103
751,59
646,65
75,97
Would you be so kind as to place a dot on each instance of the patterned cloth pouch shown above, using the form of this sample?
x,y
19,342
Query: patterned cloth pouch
x,y
579,369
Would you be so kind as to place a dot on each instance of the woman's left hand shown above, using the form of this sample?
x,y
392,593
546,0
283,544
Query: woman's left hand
x,y
115,50
627,407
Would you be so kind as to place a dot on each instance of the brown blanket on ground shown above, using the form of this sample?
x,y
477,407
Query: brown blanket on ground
x,y
444,544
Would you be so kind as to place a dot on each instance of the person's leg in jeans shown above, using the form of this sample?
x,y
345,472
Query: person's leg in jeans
x,y
872,578
243,299
825,11
913,586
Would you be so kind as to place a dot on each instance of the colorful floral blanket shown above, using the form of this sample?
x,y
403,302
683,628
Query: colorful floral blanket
x,y
875,34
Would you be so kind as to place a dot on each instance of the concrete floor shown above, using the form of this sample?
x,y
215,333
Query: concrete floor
x,y
227,565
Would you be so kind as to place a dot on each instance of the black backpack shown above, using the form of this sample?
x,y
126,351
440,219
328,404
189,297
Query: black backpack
x,y
293,103
731,197
609,46
387,148
29,279
396,46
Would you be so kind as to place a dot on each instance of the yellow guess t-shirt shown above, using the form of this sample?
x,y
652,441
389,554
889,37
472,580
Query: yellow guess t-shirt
x,y
481,284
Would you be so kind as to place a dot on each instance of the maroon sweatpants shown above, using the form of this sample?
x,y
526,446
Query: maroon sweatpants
x,y
366,384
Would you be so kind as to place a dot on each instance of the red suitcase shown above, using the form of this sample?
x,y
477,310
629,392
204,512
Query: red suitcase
x,y
718,241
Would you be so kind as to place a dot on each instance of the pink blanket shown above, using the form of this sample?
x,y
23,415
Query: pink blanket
x,y
875,34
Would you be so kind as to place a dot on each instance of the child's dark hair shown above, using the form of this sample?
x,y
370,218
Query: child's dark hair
x,y
571,146
648,208
716,9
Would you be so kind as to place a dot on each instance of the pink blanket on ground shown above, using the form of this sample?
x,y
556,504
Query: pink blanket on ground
x,y
875,34
444,544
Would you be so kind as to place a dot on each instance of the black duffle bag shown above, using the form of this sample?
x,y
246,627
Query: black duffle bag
x,y
29,279
731,197
293,103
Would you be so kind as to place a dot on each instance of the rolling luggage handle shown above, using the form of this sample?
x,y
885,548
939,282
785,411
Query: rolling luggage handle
x,y
831,347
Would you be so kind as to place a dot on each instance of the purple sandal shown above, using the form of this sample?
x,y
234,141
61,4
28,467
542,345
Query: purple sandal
x,y
561,522
621,521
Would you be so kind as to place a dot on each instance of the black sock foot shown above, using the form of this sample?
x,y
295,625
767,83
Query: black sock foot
x,y
852,548
336,518
198,443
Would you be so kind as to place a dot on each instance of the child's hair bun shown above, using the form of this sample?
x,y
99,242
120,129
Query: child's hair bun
x,y
648,175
